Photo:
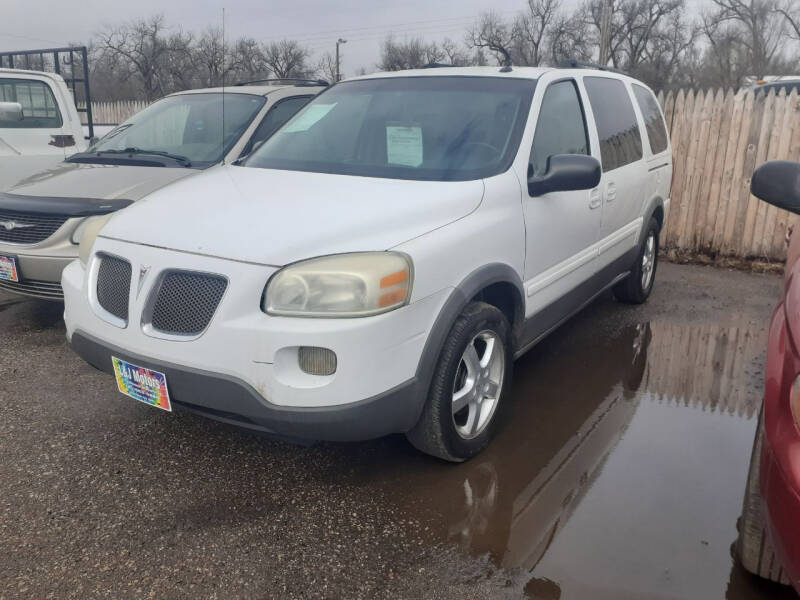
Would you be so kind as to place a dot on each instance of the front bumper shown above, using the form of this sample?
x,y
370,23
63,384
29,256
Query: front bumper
x,y
244,369
40,276
233,401
782,512
41,265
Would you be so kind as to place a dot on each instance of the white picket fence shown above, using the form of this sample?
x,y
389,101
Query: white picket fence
x,y
114,113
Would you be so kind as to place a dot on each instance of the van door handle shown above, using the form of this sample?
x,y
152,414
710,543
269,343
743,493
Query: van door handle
x,y
611,191
595,199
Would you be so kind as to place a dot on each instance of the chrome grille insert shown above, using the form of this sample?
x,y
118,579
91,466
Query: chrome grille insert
x,y
114,285
28,228
186,301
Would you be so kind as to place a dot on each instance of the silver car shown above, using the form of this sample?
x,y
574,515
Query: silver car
x,y
43,217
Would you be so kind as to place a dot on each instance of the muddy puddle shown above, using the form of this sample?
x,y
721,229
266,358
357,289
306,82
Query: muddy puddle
x,y
621,470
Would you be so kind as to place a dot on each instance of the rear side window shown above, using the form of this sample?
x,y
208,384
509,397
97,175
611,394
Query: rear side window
x,y
561,126
39,108
620,140
653,121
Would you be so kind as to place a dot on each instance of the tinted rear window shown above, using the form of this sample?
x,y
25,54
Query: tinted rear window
x,y
39,108
653,121
620,140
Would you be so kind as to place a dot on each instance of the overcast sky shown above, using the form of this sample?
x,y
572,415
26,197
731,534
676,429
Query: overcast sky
x,y
316,23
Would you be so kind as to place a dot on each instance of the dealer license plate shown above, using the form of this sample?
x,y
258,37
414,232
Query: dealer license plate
x,y
8,269
142,384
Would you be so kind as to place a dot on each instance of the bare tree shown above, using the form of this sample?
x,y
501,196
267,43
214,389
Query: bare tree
x,y
211,58
179,63
286,58
569,39
760,26
531,31
141,47
454,53
670,47
791,13
248,60
326,67
492,34
409,54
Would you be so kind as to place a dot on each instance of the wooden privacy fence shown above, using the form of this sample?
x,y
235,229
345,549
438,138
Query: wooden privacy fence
x,y
718,139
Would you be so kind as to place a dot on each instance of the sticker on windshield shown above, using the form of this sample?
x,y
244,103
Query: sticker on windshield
x,y
309,117
404,145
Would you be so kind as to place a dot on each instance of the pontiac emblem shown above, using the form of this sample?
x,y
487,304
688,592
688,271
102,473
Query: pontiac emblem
x,y
12,225
143,271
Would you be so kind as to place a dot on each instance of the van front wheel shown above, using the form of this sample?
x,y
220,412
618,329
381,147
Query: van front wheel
x,y
468,386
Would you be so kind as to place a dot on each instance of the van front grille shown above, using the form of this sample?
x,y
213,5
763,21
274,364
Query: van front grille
x,y
114,285
186,301
28,228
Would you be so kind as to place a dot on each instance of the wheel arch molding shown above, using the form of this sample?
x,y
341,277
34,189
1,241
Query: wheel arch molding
x,y
495,283
654,209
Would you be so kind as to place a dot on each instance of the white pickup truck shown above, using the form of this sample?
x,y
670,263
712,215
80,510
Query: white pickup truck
x,y
39,124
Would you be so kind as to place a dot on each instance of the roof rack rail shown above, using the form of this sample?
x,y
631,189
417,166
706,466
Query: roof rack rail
x,y
579,64
435,65
296,80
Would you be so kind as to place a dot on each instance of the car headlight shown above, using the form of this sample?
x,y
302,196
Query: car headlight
x,y
343,285
85,235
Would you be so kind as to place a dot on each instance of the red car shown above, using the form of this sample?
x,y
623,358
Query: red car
x,y
769,532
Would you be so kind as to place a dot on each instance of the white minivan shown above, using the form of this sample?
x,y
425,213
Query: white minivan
x,y
378,264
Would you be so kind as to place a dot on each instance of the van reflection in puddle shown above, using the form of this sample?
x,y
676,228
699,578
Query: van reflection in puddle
x,y
536,497
620,467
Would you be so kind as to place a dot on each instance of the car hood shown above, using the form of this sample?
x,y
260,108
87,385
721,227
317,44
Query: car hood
x,y
278,217
101,182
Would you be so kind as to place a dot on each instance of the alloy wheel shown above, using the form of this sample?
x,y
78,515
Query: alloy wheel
x,y
479,380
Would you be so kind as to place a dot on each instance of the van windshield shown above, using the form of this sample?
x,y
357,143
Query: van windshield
x,y
425,128
187,125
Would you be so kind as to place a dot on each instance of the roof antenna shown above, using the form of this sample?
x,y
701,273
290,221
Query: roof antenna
x,y
223,85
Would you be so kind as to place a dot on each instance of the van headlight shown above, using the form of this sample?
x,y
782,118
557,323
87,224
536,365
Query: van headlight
x,y
343,285
85,235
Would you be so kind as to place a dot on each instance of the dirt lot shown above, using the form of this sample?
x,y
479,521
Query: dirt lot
x,y
619,474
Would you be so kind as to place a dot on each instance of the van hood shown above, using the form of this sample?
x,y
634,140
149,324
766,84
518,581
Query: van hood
x,y
277,217
98,182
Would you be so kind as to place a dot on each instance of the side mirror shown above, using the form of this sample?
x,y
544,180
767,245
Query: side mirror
x,y
778,183
10,111
566,173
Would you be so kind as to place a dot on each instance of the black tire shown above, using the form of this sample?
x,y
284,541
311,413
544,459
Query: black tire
x,y
437,431
632,290
753,547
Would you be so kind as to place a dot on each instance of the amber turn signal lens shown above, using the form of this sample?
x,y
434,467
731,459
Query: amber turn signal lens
x,y
395,279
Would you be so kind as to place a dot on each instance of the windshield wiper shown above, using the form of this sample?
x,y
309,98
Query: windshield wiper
x,y
176,157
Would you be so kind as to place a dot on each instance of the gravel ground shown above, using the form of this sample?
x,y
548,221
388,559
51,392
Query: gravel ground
x,y
101,497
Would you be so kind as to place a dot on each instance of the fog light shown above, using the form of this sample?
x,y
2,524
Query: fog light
x,y
317,361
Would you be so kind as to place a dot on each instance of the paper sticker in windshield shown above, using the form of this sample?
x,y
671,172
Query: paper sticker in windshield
x,y
312,114
404,145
